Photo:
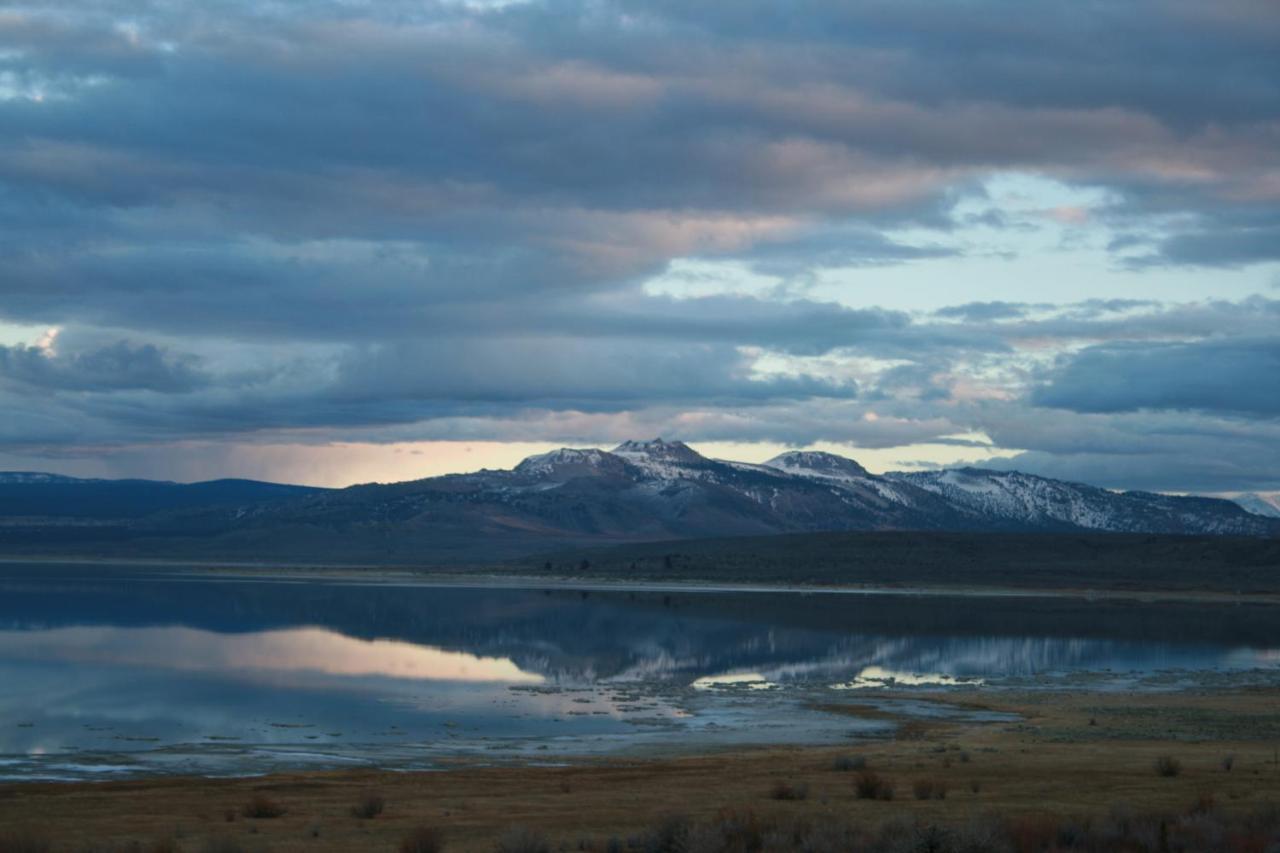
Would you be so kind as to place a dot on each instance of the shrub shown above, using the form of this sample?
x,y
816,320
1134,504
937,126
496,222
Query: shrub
x,y
1204,804
730,830
369,807
1168,766
262,806
520,839
423,839
670,835
929,789
846,763
787,791
870,786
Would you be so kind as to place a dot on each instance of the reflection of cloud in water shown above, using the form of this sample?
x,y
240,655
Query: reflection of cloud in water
x,y
293,650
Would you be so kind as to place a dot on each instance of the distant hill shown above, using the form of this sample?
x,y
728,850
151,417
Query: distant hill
x,y
569,498
25,493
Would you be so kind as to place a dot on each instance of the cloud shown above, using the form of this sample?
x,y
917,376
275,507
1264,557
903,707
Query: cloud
x,y
983,311
1238,376
116,367
428,219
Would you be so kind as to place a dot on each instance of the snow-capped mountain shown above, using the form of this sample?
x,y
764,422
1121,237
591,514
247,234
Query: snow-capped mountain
x,y
1027,501
660,490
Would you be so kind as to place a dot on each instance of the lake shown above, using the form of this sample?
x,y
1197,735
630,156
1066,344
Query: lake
x,y
108,672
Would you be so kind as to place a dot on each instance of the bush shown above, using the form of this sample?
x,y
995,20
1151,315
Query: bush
x,y
735,832
846,763
1168,766
262,806
732,830
869,786
424,839
369,807
520,839
929,789
787,791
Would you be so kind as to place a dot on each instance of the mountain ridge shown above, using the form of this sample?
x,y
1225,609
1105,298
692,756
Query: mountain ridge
x,y
639,491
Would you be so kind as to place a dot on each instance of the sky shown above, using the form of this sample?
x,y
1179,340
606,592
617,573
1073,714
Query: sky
x,y
340,241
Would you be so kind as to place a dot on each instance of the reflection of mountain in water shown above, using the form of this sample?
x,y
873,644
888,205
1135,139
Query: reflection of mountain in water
x,y
575,636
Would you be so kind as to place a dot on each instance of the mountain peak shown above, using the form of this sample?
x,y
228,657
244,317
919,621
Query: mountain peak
x,y
815,463
674,451
569,460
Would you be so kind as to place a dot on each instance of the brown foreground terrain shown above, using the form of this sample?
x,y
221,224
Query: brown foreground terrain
x,y
1084,757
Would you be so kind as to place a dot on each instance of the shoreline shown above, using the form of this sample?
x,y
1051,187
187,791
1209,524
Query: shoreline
x,y
1077,755
487,578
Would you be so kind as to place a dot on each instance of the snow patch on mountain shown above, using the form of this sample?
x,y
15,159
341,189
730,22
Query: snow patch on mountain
x,y
547,463
665,460
1260,503
826,466
38,477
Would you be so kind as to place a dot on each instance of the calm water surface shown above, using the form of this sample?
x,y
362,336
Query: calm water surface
x,y
110,672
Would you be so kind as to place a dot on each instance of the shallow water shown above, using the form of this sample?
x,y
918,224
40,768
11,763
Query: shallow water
x,y
111,672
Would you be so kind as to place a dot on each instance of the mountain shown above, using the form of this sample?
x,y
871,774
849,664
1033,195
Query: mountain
x,y
1260,504
640,491
1029,502
33,494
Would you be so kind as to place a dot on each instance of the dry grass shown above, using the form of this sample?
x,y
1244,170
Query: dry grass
x,y
22,841
221,845
1049,764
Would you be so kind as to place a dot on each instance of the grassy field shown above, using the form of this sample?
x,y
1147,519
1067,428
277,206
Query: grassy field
x,y
1071,762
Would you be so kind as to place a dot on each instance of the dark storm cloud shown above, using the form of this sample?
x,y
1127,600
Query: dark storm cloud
x,y
1153,450
1240,375
117,367
440,216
